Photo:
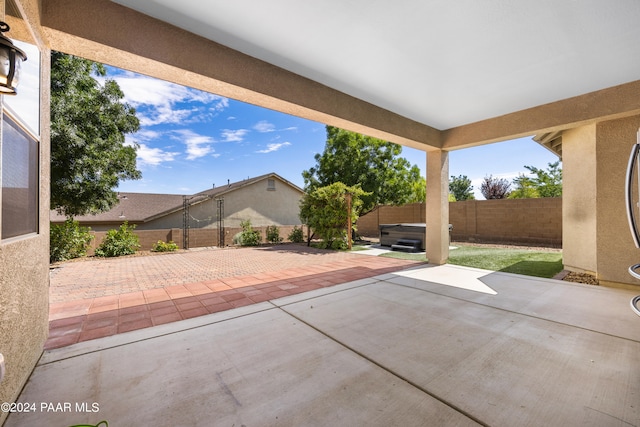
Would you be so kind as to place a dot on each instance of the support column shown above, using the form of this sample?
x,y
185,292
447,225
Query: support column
x,y
437,206
579,208
595,232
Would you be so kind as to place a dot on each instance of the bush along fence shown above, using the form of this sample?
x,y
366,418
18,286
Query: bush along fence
x,y
198,237
523,221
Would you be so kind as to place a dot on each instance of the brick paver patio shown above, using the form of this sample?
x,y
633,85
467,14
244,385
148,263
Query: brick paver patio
x,y
97,298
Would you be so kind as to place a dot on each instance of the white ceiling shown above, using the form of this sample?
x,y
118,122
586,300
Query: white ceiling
x,y
440,62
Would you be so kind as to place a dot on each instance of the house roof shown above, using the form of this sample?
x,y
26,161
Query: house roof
x,y
143,207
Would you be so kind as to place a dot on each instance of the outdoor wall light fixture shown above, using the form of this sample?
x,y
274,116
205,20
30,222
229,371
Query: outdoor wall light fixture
x,y
10,61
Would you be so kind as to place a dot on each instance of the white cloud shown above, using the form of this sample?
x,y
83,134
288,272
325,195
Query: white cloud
x,y
274,147
234,135
147,155
264,126
147,135
154,156
197,145
155,100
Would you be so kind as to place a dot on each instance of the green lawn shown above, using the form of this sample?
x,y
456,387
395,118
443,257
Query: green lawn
x,y
520,261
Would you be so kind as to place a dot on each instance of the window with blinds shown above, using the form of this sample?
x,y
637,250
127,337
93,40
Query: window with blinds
x,y
20,152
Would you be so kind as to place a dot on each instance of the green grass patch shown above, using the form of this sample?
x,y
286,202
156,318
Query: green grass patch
x,y
519,261
405,255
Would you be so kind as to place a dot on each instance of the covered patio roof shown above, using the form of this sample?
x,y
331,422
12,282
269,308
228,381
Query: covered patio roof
x,y
429,75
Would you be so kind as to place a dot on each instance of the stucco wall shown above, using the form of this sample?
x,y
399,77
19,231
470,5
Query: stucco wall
x,y
24,308
262,206
616,250
254,202
579,194
24,275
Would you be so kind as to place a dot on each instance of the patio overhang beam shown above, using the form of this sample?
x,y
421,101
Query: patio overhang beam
x,y
607,104
127,39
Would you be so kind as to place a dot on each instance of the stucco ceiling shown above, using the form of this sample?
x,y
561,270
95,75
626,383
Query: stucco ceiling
x,y
440,62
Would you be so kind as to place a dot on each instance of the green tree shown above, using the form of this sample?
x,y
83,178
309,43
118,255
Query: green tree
x,y
544,183
89,121
547,182
371,163
461,188
324,210
419,193
524,188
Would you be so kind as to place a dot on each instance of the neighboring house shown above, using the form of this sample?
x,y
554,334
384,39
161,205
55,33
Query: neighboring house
x,y
264,200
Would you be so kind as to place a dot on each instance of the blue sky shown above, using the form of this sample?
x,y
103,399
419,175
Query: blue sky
x,y
190,140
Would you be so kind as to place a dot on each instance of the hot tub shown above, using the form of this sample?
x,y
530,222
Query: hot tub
x,y
390,234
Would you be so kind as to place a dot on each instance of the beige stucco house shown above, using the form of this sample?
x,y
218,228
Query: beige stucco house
x,y
264,200
435,76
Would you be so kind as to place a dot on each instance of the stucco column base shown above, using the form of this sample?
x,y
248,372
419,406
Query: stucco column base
x,y
437,205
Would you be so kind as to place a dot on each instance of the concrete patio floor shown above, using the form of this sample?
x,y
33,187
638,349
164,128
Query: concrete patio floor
x,y
426,346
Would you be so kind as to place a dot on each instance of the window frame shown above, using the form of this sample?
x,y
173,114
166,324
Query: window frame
x,y
6,113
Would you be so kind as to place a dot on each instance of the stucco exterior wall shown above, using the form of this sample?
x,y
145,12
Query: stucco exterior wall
x,y
579,194
596,232
24,308
24,262
262,206
173,220
616,250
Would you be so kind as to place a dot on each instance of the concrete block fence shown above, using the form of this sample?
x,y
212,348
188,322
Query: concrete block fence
x,y
525,221
198,237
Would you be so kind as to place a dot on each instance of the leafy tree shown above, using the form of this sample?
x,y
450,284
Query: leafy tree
x,y
461,188
525,188
548,183
88,126
324,210
419,193
373,164
543,184
495,188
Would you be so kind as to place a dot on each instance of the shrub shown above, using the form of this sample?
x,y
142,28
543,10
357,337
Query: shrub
x,y
324,210
296,235
68,241
119,242
161,246
273,234
248,236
